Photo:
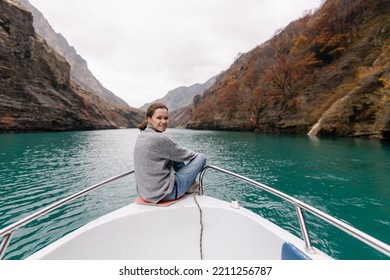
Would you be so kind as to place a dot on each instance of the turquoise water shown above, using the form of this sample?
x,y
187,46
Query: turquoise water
x,y
347,178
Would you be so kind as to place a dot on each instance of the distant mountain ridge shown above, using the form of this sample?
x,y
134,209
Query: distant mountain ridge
x,y
182,96
79,68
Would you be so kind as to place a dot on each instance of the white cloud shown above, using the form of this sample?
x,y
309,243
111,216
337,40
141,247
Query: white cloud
x,y
141,49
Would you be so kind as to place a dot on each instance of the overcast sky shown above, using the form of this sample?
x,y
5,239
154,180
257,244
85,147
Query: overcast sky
x,y
141,49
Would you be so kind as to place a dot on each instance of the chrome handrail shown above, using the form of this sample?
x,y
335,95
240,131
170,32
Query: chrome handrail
x,y
8,231
299,205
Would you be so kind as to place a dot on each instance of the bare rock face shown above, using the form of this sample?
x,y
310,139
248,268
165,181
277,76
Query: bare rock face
x,y
36,92
79,71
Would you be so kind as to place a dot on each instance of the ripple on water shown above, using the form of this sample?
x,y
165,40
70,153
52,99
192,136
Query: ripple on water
x,y
345,178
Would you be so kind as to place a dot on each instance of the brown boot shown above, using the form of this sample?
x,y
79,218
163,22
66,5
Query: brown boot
x,y
193,188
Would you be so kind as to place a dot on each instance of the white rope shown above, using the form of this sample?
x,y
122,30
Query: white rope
x,y
200,192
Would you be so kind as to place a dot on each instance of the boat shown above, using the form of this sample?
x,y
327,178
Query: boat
x,y
194,227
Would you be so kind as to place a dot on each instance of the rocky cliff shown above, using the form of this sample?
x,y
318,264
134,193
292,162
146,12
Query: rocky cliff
x,y
327,73
79,71
36,90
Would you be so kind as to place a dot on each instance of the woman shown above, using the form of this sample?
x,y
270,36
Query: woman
x,y
160,171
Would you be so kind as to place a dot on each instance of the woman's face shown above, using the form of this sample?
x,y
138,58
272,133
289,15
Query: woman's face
x,y
159,120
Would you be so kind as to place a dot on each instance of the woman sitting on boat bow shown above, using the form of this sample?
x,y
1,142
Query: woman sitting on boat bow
x,y
160,172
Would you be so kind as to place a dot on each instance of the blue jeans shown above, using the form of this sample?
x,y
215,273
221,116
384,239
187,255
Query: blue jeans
x,y
185,176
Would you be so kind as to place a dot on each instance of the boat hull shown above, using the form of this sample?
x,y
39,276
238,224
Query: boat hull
x,y
146,232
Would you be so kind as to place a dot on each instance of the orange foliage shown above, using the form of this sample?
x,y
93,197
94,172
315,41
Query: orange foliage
x,y
7,119
277,74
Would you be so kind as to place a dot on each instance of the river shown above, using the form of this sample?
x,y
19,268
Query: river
x,y
347,178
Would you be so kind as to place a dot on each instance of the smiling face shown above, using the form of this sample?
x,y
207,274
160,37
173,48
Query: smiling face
x,y
159,120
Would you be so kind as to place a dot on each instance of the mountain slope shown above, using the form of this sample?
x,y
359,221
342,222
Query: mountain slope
x,y
329,69
36,90
79,68
182,96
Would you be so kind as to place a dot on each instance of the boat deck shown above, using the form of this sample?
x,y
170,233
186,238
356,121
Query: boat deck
x,y
142,232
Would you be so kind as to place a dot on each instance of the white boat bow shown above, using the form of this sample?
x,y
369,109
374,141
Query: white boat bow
x,y
144,232
196,227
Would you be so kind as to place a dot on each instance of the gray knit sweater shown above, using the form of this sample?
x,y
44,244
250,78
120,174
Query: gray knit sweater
x,y
154,154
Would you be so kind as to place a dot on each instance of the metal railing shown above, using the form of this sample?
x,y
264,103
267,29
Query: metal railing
x,y
299,205
7,232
